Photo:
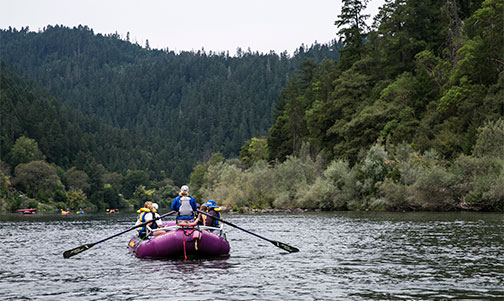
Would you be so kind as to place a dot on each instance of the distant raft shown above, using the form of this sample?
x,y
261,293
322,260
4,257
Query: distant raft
x,y
27,211
182,241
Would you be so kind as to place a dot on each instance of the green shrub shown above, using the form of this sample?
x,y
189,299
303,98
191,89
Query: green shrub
x,y
487,193
225,185
60,205
371,172
32,203
490,141
14,202
316,196
258,185
395,196
290,176
433,189
352,191
283,200
327,192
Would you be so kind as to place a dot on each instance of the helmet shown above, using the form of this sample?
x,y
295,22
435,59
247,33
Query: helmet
x,y
184,188
155,206
211,204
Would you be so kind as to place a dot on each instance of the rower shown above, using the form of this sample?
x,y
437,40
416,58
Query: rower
x,y
146,214
185,205
213,211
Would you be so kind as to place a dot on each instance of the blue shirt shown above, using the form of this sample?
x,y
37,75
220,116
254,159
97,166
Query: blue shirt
x,y
176,203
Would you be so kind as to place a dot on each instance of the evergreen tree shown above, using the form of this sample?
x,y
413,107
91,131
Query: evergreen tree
x,y
352,30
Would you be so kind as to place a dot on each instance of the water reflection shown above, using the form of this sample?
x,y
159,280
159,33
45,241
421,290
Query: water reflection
x,y
191,266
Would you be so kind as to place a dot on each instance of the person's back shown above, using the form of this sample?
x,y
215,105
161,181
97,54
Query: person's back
x,y
210,220
185,208
184,204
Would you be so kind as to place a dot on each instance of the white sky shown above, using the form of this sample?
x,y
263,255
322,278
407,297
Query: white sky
x,y
217,25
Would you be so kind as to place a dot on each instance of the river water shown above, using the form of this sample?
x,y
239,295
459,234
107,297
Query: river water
x,y
343,256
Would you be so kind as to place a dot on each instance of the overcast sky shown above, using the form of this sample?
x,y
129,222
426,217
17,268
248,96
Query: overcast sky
x,y
217,25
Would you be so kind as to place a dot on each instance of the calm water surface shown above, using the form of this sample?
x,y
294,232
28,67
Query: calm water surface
x,y
344,255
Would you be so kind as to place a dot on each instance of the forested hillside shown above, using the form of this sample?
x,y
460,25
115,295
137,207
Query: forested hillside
x,y
430,78
99,105
410,118
181,107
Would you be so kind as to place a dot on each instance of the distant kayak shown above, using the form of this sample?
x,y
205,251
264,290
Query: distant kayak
x,y
194,241
63,212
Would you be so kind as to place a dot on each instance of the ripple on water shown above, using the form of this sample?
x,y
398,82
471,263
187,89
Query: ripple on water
x,y
343,255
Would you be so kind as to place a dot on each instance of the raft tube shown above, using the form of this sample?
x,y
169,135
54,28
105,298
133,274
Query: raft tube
x,y
181,242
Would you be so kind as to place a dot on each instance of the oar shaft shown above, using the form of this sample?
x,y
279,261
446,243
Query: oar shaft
x,y
281,245
83,248
233,225
137,226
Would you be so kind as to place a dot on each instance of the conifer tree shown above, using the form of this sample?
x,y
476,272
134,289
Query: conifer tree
x,y
352,30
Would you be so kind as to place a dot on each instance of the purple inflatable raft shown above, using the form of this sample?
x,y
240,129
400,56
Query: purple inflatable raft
x,y
181,241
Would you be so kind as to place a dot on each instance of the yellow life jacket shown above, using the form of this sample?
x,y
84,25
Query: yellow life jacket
x,y
141,218
146,210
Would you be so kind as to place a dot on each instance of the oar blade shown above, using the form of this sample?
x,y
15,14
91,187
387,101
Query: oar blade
x,y
75,251
286,247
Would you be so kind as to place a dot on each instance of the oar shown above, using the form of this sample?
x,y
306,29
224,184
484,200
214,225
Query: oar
x,y
281,245
75,251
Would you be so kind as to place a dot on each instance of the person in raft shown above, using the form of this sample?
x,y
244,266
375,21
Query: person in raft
x,y
159,223
213,211
146,214
201,217
185,205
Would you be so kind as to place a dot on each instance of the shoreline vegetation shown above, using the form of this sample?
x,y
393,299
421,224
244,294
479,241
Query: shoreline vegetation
x,y
386,178
399,179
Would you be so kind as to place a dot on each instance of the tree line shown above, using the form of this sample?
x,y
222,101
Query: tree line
x,y
180,107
